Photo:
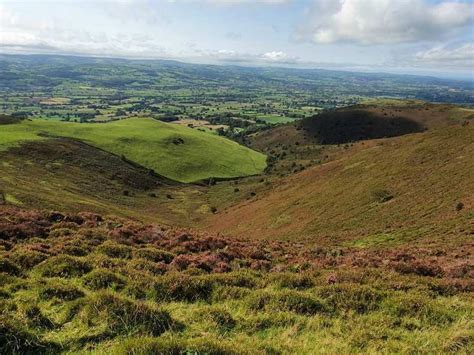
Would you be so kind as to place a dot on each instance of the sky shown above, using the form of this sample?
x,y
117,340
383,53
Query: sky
x,y
433,37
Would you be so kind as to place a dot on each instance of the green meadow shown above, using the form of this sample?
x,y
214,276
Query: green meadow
x,y
176,152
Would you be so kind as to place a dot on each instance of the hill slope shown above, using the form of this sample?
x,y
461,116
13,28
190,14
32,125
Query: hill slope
x,y
380,191
88,284
179,153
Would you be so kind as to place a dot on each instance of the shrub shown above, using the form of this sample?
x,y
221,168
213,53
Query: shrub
x,y
100,278
64,266
123,316
155,255
114,250
9,267
359,298
60,290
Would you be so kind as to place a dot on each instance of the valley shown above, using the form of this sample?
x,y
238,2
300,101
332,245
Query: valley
x,y
225,210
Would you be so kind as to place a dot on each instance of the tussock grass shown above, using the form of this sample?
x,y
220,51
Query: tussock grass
x,y
127,295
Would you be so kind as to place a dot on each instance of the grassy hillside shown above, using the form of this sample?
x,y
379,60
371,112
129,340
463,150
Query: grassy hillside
x,y
84,283
176,152
386,191
69,175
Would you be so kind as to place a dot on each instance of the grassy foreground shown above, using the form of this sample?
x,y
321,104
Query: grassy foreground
x,y
89,284
176,152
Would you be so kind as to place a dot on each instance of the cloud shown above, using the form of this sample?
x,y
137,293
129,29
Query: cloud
x,y
235,57
279,57
370,22
461,57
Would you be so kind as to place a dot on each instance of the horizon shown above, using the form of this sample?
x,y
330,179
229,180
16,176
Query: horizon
x,y
431,75
422,37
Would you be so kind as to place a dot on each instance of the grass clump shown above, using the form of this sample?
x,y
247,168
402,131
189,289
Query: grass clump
x,y
357,298
15,339
9,267
115,250
28,259
118,315
291,280
288,300
60,290
154,255
101,278
180,287
64,266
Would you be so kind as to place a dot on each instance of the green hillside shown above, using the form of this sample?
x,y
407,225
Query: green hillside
x,y
176,152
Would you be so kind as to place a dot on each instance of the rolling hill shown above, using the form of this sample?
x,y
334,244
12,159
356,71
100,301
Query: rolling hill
x,y
176,152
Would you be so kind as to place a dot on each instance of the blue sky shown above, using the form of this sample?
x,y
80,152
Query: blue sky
x,y
403,36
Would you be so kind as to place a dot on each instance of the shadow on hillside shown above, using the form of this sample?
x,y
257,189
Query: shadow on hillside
x,y
349,126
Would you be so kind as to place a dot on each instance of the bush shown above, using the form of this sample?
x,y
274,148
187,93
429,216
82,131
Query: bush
x,y
100,279
60,290
64,266
114,250
123,316
155,255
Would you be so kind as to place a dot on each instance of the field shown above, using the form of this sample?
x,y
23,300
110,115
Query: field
x,y
173,151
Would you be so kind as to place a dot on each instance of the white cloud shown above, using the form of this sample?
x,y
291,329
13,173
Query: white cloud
x,y
459,57
278,57
382,21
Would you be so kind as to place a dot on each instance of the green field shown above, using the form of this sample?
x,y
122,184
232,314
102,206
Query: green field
x,y
176,152
275,119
